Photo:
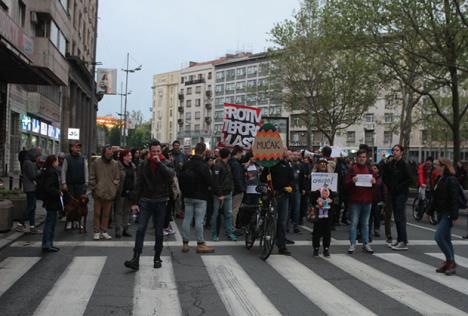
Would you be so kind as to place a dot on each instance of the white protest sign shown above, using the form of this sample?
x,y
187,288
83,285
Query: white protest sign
x,y
319,179
74,134
241,124
364,180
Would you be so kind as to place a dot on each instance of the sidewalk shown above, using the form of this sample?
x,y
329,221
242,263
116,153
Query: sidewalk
x,y
11,236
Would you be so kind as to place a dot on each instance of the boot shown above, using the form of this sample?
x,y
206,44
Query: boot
x,y
442,268
134,263
185,247
126,233
203,248
157,262
451,267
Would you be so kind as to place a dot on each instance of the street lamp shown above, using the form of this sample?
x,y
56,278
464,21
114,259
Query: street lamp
x,y
127,70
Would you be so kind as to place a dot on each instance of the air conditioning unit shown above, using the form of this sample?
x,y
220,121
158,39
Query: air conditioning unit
x,y
34,17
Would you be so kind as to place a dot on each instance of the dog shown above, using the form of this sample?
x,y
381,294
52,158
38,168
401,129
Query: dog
x,y
76,210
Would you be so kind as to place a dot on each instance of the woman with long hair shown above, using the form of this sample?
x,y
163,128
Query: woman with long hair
x,y
446,205
52,202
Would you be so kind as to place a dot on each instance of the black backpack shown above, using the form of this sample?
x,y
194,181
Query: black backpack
x,y
188,179
40,187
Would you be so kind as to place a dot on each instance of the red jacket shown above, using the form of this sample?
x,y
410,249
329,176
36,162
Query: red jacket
x,y
358,195
422,175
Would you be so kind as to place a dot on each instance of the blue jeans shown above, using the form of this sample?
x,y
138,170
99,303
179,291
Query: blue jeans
x,y
283,204
360,215
443,237
49,229
399,214
30,212
227,209
198,208
157,210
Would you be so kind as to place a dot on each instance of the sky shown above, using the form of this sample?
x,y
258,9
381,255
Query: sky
x,y
164,35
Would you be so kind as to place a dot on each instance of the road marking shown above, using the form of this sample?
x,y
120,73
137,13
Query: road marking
x,y
431,229
177,236
461,261
72,291
454,282
12,269
226,243
322,293
9,239
394,288
311,230
155,291
240,295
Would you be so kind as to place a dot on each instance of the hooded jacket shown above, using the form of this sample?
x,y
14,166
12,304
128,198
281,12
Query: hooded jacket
x,y
30,170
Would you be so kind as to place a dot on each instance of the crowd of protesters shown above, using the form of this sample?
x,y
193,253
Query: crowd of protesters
x,y
210,187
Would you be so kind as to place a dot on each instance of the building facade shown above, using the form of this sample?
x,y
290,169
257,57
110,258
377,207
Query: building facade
x,y
164,109
47,57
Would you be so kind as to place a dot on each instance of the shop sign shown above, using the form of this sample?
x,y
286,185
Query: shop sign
x,y
25,122
74,134
36,125
43,128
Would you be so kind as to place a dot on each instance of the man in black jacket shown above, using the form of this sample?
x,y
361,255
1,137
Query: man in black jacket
x,y
282,177
153,187
196,195
237,171
223,186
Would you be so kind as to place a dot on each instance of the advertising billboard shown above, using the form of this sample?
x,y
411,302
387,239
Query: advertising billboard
x,y
106,81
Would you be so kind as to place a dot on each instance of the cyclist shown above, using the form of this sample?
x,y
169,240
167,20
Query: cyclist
x,y
427,176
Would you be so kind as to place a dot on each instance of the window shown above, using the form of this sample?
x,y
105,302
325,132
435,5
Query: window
x,y
252,84
262,98
251,99
218,115
295,121
240,86
189,91
197,115
388,117
219,102
220,76
182,79
200,76
230,75
209,75
190,78
181,91
263,83
57,38
22,13
369,117
198,89
188,103
240,73
197,127
230,88
369,138
350,138
188,115
388,137
197,102
240,99
263,69
219,89
187,127
252,71
229,99
424,136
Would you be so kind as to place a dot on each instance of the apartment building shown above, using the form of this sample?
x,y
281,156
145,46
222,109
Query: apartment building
x,y
164,108
47,57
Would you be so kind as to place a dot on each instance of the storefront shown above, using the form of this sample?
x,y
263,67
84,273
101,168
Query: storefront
x,y
36,132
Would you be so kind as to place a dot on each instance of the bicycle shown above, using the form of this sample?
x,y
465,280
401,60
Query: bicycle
x,y
421,206
262,225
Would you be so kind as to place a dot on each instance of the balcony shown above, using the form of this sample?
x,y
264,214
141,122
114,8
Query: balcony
x,y
195,81
180,109
208,106
208,120
47,58
208,93
180,122
54,10
181,97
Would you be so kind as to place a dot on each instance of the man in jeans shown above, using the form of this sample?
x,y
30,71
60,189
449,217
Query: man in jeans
x,y
154,182
30,174
196,196
238,177
360,201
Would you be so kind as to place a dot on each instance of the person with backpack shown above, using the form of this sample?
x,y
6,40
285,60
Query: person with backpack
x,y
196,188
31,172
52,198
446,204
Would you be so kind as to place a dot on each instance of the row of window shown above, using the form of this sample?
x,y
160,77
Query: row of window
x,y
188,115
369,118
188,103
250,99
242,72
198,90
196,127
368,137
190,78
241,86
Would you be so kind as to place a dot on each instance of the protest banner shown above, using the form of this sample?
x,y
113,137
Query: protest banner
x,y
268,147
241,124
319,179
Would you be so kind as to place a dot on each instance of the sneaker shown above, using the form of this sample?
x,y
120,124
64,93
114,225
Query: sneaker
x,y
326,253
185,247
68,226
289,242
367,248
284,252
97,236
297,230
351,249
35,230
106,236
392,243
316,253
169,231
400,246
20,228
214,238
232,237
165,233
203,248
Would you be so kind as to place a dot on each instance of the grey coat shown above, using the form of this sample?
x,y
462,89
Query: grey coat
x,y
30,171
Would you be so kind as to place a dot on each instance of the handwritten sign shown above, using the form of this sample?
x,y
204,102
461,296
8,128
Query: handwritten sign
x,y
319,179
364,180
268,147
241,124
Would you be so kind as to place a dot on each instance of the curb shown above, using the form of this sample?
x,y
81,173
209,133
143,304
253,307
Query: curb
x,y
8,240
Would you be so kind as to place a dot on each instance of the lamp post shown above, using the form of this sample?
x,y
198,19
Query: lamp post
x,y
127,70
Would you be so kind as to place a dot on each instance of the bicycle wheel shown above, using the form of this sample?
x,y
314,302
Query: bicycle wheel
x,y
269,236
250,233
417,213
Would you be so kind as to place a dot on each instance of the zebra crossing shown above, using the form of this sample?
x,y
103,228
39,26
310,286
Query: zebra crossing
x,y
240,291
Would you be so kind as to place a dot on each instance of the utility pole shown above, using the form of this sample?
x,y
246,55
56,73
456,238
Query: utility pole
x,y
127,70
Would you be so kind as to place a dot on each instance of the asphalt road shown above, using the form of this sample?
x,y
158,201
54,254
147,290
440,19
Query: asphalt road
x,y
88,278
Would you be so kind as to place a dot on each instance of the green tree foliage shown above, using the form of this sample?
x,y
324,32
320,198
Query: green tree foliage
x,y
140,136
332,85
113,137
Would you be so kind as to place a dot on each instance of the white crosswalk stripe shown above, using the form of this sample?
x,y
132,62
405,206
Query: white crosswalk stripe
x,y
454,282
461,261
74,288
155,291
392,287
12,269
240,295
321,292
